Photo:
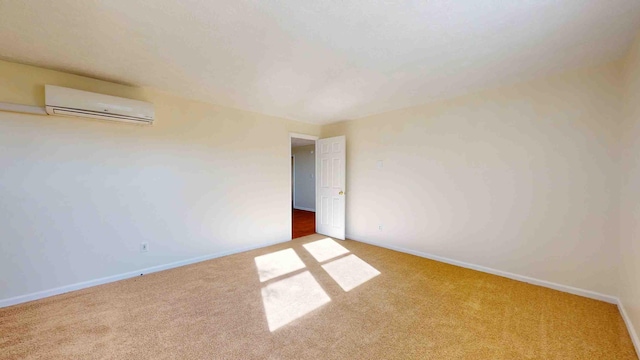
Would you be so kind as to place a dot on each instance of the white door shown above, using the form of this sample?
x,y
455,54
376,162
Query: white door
x,y
330,186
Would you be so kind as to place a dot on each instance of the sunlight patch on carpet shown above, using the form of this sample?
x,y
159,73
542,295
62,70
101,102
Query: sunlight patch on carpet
x,y
288,299
278,263
350,271
325,249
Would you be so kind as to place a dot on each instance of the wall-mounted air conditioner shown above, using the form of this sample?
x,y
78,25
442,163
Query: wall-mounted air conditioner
x,y
70,102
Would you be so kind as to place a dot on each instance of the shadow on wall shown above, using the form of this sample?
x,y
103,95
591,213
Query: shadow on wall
x,y
292,291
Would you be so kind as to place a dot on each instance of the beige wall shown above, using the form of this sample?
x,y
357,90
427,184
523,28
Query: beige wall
x,y
77,196
305,182
630,194
521,179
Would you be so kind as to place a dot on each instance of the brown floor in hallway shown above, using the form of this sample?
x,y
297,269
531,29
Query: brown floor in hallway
x,y
290,301
303,222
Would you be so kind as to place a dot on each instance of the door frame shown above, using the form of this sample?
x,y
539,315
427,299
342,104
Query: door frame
x,y
293,135
293,180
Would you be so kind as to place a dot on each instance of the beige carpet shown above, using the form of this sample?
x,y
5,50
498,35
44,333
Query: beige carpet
x,y
220,309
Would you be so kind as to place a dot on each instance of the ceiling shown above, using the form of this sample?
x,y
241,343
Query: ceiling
x,y
317,61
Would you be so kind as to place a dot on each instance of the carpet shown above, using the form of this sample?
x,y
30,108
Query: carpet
x,y
315,298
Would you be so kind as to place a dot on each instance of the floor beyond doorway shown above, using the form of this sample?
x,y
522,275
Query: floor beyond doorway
x,y
304,223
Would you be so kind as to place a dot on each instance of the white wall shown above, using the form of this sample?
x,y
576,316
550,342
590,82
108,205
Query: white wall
x,y
629,264
522,179
305,182
77,197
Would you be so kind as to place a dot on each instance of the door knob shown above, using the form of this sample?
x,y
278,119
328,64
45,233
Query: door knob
x,y
341,192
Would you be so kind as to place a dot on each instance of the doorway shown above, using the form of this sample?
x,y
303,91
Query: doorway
x,y
303,185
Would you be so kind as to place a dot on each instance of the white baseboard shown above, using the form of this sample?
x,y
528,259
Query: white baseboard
x,y
564,288
304,208
85,284
632,330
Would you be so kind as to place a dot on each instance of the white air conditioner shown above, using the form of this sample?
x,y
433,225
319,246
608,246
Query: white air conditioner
x,y
70,102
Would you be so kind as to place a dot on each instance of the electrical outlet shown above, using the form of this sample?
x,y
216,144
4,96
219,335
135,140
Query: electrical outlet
x,y
380,227
144,247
